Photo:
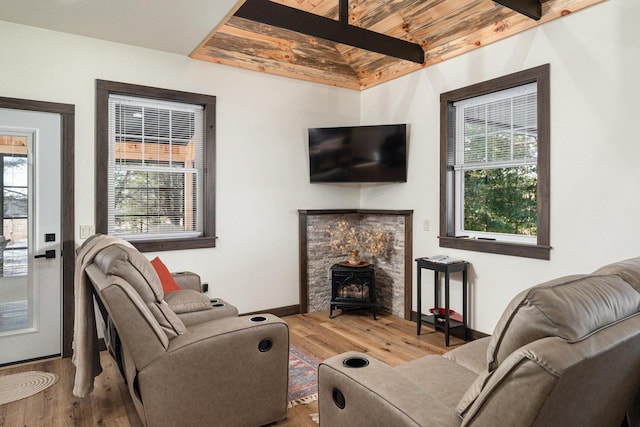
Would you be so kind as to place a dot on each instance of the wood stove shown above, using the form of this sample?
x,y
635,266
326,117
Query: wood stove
x,y
352,288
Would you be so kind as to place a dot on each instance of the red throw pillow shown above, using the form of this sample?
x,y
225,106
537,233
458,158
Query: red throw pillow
x,y
168,282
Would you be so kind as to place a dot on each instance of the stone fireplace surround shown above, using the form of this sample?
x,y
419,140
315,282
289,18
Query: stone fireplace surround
x,y
393,270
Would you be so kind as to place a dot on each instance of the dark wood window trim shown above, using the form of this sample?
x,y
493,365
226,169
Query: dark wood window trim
x,y
542,248
67,117
103,90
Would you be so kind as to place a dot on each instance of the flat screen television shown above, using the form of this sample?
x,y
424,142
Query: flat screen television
x,y
358,154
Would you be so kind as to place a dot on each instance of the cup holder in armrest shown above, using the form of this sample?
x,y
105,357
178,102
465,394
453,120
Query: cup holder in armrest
x,y
214,301
217,304
258,319
355,362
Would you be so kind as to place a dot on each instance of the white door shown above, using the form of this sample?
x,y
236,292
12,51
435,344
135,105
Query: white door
x,y
30,240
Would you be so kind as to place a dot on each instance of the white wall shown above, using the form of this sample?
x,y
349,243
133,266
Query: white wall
x,y
595,148
262,166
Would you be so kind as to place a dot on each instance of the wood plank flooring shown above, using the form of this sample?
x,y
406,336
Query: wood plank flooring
x,y
389,339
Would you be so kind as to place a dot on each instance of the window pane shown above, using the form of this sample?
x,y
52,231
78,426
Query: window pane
x,y
499,116
15,202
155,180
497,129
182,125
153,202
15,171
525,145
501,200
156,122
499,147
475,149
128,120
17,231
475,120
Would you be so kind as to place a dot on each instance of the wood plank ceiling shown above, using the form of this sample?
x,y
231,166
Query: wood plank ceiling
x,y
444,29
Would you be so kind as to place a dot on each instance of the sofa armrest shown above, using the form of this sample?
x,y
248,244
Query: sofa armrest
x,y
375,395
216,369
187,280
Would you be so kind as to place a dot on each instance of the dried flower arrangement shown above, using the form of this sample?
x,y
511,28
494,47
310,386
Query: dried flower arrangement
x,y
347,237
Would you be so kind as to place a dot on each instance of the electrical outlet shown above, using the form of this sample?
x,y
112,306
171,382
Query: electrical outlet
x,y
426,225
87,231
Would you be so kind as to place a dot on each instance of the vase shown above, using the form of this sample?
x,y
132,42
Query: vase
x,y
354,258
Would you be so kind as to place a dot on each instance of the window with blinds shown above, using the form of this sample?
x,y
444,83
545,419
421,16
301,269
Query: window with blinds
x,y
155,171
495,163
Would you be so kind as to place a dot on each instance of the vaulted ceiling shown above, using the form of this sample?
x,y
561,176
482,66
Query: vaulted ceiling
x,y
443,28
208,30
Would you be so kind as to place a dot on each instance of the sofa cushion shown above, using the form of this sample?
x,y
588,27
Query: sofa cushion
x,y
187,300
166,278
571,308
445,380
628,270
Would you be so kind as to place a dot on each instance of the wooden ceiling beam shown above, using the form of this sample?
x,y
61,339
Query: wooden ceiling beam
x,y
297,20
530,8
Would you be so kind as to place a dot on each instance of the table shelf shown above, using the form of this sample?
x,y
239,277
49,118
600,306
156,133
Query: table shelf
x,y
428,318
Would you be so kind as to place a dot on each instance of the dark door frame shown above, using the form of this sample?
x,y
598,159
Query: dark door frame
x,y
67,125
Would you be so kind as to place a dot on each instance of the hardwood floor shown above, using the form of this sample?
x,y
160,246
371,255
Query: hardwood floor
x,y
389,339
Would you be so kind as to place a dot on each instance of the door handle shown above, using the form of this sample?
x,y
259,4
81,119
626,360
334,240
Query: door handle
x,y
51,253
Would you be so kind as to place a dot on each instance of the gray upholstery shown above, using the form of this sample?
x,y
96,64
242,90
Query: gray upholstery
x,y
472,355
198,363
193,307
136,270
628,270
188,280
570,307
187,301
564,352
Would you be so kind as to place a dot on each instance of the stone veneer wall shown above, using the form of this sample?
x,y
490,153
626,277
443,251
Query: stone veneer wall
x,y
389,268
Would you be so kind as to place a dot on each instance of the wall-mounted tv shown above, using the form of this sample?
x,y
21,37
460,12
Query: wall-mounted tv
x,y
358,154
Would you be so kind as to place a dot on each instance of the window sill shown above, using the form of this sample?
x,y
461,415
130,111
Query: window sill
x,y
496,247
173,244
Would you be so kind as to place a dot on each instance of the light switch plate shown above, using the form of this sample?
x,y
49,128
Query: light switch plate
x,y
87,231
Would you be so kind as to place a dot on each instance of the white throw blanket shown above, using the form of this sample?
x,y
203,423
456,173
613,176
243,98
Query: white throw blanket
x,y
86,356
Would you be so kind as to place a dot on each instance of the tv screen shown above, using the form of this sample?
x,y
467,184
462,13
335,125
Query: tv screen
x,y
358,154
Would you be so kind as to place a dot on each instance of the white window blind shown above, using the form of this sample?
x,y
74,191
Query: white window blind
x,y
497,130
156,161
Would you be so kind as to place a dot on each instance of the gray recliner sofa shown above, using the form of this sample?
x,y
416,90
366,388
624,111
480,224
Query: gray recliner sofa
x,y
564,353
189,361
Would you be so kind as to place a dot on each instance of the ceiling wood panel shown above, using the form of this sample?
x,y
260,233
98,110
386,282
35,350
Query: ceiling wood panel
x,y
443,28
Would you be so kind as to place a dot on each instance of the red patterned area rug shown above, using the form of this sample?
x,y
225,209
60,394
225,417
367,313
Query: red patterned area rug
x,y
303,378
